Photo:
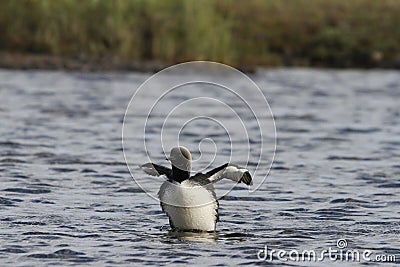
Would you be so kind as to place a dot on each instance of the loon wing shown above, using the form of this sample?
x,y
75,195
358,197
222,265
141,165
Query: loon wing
x,y
156,170
230,171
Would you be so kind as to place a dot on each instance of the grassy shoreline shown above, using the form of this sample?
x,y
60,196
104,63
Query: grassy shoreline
x,y
29,61
87,34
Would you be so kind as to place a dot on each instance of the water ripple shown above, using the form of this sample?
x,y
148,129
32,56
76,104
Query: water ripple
x,y
67,197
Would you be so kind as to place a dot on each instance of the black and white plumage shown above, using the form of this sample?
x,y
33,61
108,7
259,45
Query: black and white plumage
x,y
190,201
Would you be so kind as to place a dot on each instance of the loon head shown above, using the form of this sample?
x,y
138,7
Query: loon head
x,y
181,161
181,158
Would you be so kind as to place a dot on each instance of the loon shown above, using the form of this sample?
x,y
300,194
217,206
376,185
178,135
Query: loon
x,y
189,201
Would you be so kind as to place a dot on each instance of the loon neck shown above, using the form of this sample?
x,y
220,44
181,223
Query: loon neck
x,y
179,175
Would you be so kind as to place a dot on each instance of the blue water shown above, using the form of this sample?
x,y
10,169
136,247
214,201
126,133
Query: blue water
x,y
67,197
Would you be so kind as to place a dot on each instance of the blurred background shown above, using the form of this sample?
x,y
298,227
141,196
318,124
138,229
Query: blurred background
x,y
149,35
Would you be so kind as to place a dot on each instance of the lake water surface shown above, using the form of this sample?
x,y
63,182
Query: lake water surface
x,y
67,197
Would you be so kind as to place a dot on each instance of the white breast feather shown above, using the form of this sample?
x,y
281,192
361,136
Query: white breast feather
x,y
189,207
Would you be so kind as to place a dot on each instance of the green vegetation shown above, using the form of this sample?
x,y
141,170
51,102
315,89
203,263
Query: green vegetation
x,y
333,33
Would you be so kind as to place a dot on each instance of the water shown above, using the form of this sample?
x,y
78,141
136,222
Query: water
x,y
66,196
